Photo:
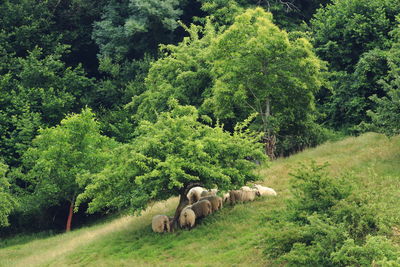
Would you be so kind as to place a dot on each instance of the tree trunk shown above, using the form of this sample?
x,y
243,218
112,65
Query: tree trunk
x,y
71,212
269,139
183,202
270,145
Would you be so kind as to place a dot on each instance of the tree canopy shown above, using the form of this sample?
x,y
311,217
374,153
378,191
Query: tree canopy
x,y
61,155
258,68
170,155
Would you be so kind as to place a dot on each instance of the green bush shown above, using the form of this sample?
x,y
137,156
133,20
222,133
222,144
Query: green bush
x,y
327,223
315,191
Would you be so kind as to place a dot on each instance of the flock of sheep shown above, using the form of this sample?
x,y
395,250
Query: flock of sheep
x,y
203,202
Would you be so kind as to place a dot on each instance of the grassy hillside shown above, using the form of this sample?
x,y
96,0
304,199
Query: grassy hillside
x,y
230,237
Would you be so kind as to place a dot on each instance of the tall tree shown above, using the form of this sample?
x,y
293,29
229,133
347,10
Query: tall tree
x,y
182,73
258,68
386,114
170,156
60,155
130,28
38,92
26,24
344,30
353,36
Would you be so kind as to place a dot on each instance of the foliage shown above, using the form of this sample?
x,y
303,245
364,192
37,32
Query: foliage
x,y
327,224
130,28
183,73
120,82
354,37
258,68
7,200
26,24
385,117
287,14
73,21
344,30
315,191
222,13
167,156
38,92
61,155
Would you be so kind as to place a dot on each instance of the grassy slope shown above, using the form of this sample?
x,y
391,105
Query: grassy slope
x,y
232,236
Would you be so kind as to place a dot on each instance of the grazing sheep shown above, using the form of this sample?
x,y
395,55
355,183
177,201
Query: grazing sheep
x,y
249,195
245,188
194,194
214,191
265,191
225,197
187,218
216,202
202,208
235,196
160,224
206,193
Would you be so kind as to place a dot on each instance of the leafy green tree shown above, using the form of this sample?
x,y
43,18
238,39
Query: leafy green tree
x,y
354,36
38,92
258,68
7,201
73,21
183,73
350,97
128,29
346,29
386,115
26,24
60,155
169,157
288,14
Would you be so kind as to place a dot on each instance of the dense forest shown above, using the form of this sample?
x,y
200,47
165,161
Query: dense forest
x,y
107,106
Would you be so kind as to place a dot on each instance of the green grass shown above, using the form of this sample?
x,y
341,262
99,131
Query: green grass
x,y
231,237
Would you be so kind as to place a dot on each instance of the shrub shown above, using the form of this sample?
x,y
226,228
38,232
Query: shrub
x,y
327,223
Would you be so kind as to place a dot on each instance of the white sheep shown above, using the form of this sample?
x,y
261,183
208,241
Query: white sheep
x,y
225,197
249,195
187,218
206,193
235,196
202,208
216,202
194,194
245,188
265,191
160,224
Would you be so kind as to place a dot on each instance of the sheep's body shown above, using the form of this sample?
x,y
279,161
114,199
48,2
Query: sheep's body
x,y
245,188
216,202
225,197
194,194
265,191
187,218
235,196
206,193
160,224
202,208
249,195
